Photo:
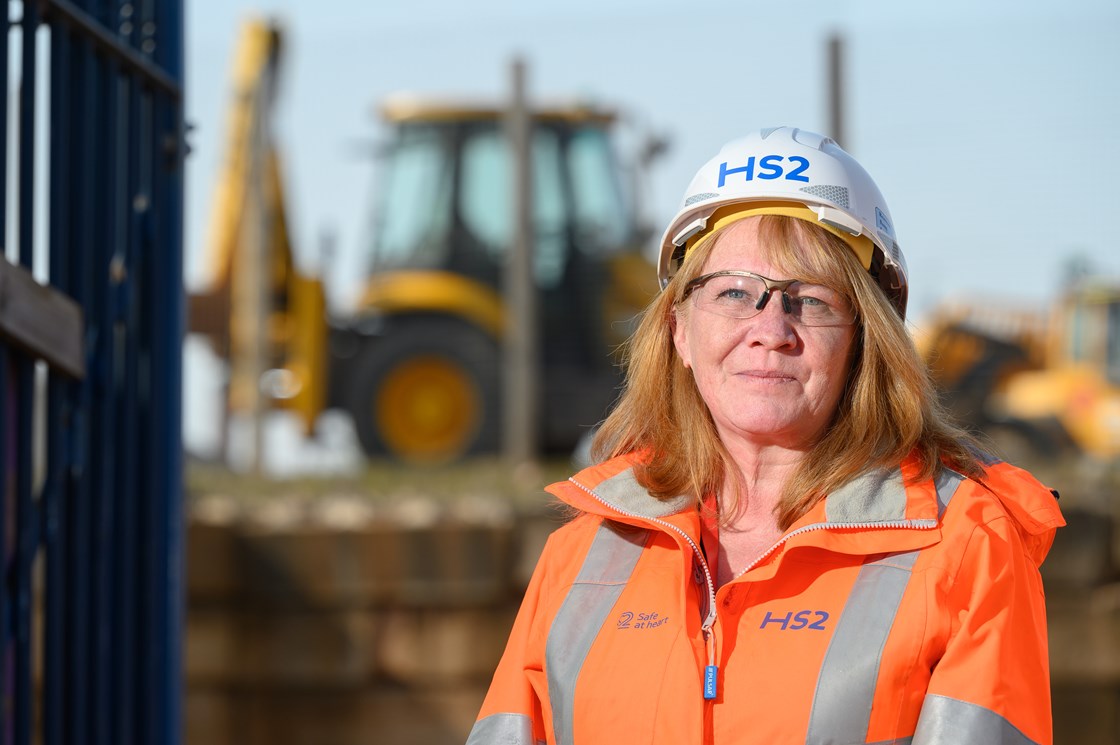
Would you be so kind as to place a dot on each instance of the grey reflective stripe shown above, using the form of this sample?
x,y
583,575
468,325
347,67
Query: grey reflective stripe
x,y
947,720
947,482
503,729
875,496
895,741
846,682
602,578
625,493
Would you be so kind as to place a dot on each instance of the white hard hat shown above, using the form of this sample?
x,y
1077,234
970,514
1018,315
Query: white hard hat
x,y
793,172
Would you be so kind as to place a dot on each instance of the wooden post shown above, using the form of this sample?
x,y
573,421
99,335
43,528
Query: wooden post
x,y
250,290
520,368
836,89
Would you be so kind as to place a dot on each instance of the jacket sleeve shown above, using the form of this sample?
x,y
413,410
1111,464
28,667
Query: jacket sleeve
x,y
511,713
992,683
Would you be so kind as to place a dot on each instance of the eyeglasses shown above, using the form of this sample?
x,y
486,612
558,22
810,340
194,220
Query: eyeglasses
x,y
741,294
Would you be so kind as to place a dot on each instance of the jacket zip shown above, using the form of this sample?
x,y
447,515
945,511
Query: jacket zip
x,y
923,524
711,672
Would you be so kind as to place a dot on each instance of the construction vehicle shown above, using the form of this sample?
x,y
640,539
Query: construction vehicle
x,y
417,362
1041,384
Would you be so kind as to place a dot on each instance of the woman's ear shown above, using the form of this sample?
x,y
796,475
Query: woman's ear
x,y
679,327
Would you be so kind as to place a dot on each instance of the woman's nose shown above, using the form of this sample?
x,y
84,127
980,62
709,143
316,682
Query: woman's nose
x,y
773,326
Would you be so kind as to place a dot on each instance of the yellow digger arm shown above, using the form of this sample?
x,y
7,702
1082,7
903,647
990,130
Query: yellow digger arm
x,y
248,246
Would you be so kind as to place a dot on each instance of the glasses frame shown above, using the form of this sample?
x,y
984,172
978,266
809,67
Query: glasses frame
x,y
781,285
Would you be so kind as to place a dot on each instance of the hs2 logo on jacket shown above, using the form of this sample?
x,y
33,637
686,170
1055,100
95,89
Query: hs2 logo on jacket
x,y
812,620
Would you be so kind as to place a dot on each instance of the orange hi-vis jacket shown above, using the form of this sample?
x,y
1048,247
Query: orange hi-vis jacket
x,y
893,612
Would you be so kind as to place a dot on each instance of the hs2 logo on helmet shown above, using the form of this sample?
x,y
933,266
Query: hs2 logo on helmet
x,y
767,168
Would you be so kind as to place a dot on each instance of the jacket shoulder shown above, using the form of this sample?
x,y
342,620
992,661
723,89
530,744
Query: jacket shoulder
x,y
1007,492
1033,505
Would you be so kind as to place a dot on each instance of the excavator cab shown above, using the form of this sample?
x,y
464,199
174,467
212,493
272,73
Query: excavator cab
x,y
418,361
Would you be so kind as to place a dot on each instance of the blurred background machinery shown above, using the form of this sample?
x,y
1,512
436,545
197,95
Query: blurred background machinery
x,y
1042,384
417,362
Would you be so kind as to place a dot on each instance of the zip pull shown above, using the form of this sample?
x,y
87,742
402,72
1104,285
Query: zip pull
x,y
711,682
711,672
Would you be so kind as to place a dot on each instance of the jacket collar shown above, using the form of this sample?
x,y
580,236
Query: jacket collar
x,y
875,498
880,511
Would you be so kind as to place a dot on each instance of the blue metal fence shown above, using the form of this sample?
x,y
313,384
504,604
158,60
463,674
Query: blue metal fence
x,y
91,512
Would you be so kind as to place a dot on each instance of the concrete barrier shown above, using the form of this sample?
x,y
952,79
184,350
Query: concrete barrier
x,y
385,628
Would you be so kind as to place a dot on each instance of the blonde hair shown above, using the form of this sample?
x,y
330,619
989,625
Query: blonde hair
x,y
888,408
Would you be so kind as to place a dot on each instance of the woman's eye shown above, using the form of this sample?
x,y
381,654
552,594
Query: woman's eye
x,y
736,295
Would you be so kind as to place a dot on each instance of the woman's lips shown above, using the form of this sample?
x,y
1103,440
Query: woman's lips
x,y
769,375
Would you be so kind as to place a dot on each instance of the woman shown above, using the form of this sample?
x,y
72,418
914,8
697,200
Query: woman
x,y
784,541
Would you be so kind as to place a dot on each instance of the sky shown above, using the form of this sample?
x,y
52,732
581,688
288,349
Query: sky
x,y
991,128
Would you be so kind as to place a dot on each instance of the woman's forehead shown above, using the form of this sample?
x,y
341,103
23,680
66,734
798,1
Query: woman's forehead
x,y
740,246
776,250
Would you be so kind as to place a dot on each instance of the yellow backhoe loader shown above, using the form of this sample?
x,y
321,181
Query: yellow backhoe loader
x,y
417,362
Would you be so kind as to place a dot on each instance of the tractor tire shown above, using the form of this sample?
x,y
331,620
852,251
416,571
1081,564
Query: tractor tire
x,y
427,392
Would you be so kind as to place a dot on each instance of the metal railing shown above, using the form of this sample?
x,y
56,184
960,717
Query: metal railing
x,y
91,324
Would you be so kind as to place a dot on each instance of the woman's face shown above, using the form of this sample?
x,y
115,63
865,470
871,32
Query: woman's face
x,y
767,380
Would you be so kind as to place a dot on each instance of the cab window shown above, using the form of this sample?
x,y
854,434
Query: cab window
x,y
415,193
486,199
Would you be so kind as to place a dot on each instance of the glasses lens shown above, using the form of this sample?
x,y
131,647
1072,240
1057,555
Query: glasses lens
x,y
731,295
738,296
814,305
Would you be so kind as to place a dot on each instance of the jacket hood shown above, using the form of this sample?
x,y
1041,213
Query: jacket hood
x,y
1033,506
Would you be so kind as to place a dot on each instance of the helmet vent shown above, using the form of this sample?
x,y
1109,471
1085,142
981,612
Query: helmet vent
x,y
699,198
896,252
838,195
